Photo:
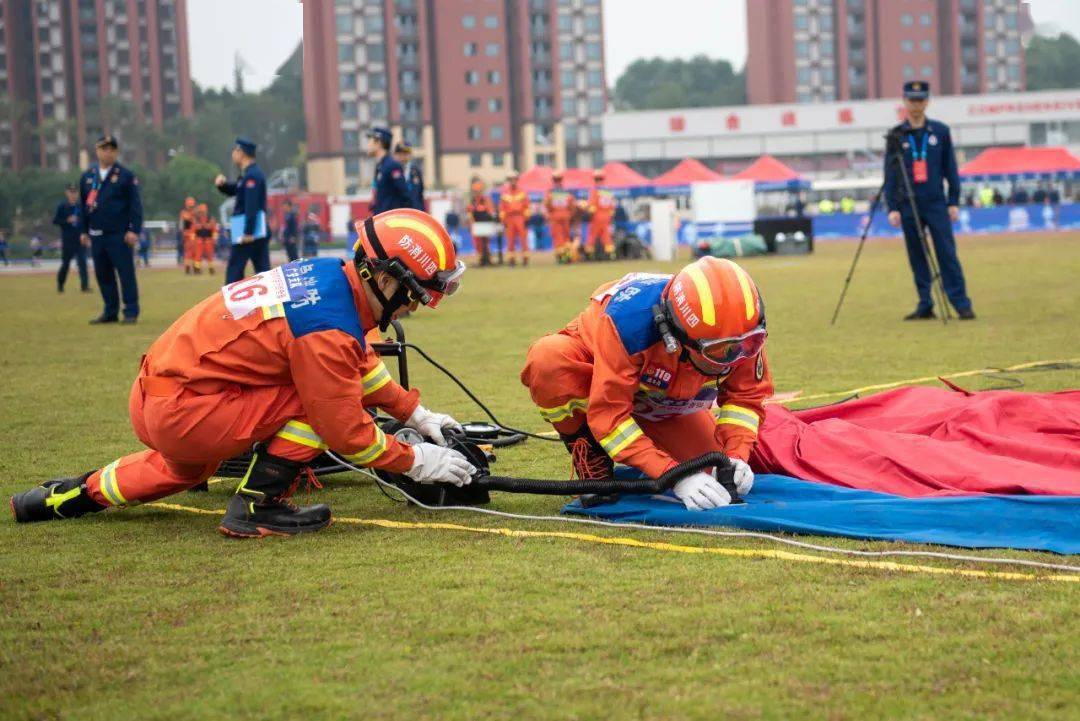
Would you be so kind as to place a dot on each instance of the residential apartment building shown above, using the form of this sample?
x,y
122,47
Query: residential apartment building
x,y
477,87
69,69
803,51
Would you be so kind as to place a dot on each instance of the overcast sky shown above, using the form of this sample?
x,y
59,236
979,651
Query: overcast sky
x,y
633,28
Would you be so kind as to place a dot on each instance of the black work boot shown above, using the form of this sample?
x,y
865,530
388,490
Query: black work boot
x,y
589,460
261,506
921,314
56,499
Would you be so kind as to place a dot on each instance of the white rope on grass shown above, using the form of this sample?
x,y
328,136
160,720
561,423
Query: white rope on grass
x,y
712,532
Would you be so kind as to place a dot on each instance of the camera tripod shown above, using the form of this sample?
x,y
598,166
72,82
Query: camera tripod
x,y
895,155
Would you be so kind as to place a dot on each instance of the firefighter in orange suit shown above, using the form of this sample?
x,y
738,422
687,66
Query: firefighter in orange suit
x,y
602,208
513,209
481,210
206,237
619,385
187,234
559,211
280,360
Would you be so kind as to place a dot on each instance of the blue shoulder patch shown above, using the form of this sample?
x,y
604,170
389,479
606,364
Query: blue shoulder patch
x,y
327,302
630,309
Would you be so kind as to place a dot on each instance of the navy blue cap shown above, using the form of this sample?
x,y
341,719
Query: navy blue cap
x,y
247,146
383,134
107,141
916,90
403,148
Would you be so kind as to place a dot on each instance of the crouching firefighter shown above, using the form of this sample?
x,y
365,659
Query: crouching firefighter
x,y
634,378
279,361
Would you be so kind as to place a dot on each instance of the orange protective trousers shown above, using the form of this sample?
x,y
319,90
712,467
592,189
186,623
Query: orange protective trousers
x,y
558,372
514,230
600,234
190,433
560,231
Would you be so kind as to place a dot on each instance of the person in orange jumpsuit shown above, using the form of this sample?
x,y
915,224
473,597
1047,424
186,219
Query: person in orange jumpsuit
x,y
559,211
645,386
280,360
481,210
206,237
187,234
602,208
513,209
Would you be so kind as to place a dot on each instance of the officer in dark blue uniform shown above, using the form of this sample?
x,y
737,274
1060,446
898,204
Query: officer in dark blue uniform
x,y
389,187
112,217
249,228
68,216
414,176
927,151
290,231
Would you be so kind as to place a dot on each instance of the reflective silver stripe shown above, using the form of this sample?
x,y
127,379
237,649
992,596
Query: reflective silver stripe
x,y
301,433
375,379
109,486
624,434
738,416
561,413
372,452
273,311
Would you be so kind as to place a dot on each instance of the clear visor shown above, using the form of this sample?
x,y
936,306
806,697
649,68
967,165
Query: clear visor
x,y
445,282
728,351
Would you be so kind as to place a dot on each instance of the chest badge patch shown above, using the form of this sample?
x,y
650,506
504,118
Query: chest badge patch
x,y
656,377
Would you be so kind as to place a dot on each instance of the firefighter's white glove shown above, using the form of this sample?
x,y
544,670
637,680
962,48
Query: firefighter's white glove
x,y
744,477
701,491
431,424
435,464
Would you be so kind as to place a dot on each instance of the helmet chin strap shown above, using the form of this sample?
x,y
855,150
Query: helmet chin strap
x,y
399,298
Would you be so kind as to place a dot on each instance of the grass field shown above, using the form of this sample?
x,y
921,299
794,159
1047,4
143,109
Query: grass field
x,y
148,613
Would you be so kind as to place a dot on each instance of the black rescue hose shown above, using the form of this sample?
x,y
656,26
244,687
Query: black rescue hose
x,y
608,486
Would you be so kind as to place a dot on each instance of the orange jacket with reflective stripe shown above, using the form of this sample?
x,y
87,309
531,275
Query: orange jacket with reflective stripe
x,y
513,206
635,376
601,205
559,205
208,350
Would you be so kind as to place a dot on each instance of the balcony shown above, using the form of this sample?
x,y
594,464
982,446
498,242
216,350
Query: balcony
x,y
540,32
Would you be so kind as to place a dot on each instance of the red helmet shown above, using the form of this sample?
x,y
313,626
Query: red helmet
x,y
414,249
716,311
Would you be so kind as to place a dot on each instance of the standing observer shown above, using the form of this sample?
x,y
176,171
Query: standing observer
x,y
414,176
250,233
389,188
68,216
112,217
927,151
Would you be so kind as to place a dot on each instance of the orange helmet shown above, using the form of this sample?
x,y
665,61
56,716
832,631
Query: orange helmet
x,y
414,249
715,310
189,202
477,187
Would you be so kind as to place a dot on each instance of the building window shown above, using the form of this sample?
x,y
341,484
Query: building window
x,y
1012,47
497,160
495,105
468,21
472,105
491,21
802,49
344,53
927,71
926,46
378,109
475,132
350,139
496,132
476,159
826,22
909,72
596,132
374,23
470,49
596,106
567,78
494,77
348,111
566,51
491,49
566,23
925,20
377,81
907,20
803,76
907,45
593,51
377,53
472,77
344,23
596,79
352,167
347,81
802,22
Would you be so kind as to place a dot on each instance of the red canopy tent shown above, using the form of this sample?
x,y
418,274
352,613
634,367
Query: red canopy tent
x,y
768,170
537,180
621,175
686,172
1022,162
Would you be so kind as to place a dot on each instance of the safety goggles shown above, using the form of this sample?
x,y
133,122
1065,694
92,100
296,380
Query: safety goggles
x,y
444,282
729,351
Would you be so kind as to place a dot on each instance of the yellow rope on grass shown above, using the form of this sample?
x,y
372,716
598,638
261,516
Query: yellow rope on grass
x,y
675,548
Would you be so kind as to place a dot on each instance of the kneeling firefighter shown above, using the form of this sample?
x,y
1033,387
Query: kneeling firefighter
x,y
643,365
279,360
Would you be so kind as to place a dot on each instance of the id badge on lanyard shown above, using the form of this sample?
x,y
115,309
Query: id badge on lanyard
x,y
91,197
919,171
